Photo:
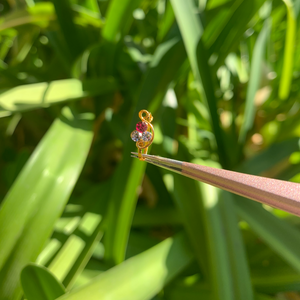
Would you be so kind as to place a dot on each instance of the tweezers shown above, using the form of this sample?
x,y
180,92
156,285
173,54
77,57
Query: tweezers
x,y
280,194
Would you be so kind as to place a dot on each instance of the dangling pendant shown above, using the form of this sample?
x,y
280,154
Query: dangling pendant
x,y
144,133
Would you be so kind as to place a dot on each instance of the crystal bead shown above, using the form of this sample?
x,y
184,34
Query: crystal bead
x,y
135,136
146,136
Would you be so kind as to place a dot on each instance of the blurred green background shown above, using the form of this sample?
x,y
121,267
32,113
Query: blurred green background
x,y
80,218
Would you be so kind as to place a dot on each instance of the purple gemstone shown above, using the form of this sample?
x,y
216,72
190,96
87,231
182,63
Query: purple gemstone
x,y
141,126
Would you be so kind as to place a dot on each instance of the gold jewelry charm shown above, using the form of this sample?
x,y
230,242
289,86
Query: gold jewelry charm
x,y
144,133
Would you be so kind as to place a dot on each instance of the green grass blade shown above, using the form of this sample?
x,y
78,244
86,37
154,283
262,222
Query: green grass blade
x,y
131,279
118,15
39,283
118,20
270,157
236,249
231,29
288,60
39,195
155,217
199,291
41,12
65,16
89,227
282,237
187,198
275,279
191,30
167,59
121,209
253,85
32,96
166,22
209,217
79,240
221,277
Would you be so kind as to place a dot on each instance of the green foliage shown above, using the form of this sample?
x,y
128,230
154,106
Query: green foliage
x,y
79,218
39,283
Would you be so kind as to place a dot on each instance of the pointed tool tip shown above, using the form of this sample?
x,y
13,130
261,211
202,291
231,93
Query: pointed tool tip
x,y
135,154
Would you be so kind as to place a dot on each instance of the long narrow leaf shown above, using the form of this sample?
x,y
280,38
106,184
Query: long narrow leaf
x,y
282,237
236,249
187,198
191,30
208,218
168,58
290,40
119,12
41,12
232,28
140,277
38,197
39,283
253,85
74,40
31,96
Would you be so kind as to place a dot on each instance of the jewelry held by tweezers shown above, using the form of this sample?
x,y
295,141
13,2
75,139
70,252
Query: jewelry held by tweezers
x,y
144,133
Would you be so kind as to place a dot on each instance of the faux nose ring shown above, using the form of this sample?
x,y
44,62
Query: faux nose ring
x,y
144,133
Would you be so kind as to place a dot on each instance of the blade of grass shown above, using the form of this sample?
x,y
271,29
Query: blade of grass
x,y
130,280
275,279
270,157
155,217
94,234
39,283
282,237
167,60
93,6
32,96
221,277
232,29
208,218
236,250
121,210
254,80
41,12
39,195
191,30
118,21
72,36
118,15
78,248
198,291
192,216
81,239
166,22
288,59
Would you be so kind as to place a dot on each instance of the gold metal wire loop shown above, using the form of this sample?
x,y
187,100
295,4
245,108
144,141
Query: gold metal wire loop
x,y
142,146
148,116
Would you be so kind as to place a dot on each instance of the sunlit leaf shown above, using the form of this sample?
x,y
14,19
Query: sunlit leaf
x,y
39,283
32,96
39,195
131,279
287,71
